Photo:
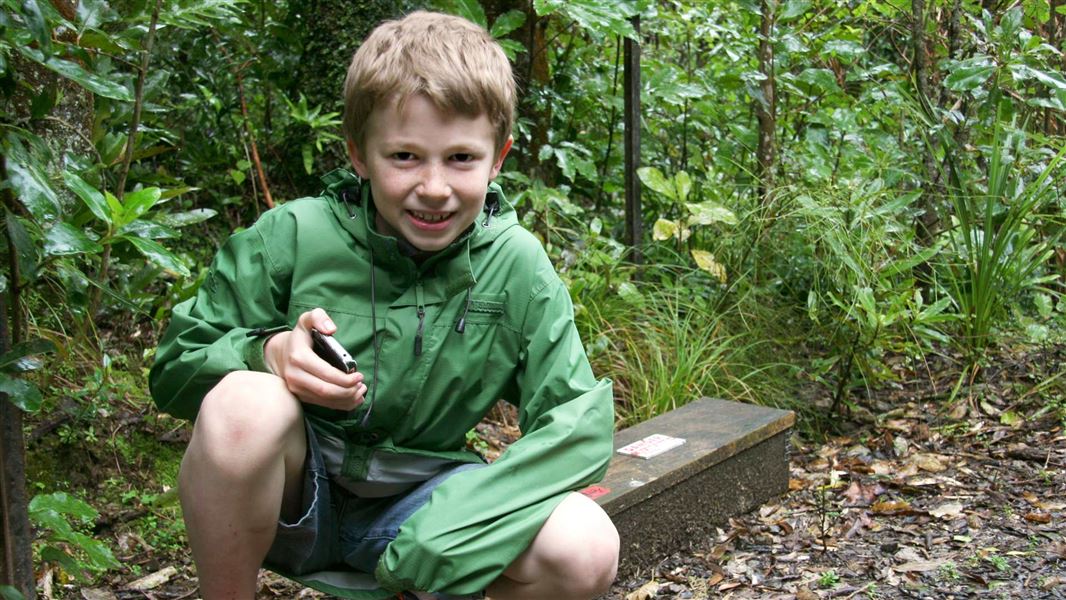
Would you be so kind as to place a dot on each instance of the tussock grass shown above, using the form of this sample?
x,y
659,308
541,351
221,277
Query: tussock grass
x,y
670,349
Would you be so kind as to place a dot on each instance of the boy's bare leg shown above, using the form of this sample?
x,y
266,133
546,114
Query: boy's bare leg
x,y
573,557
242,470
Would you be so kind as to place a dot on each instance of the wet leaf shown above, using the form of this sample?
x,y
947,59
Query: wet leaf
x,y
644,592
947,511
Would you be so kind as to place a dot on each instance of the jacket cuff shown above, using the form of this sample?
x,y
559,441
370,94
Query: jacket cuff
x,y
386,580
254,348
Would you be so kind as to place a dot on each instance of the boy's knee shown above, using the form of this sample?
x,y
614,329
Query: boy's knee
x,y
247,410
585,554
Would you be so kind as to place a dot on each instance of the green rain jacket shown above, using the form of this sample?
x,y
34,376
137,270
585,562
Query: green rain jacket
x,y
518,343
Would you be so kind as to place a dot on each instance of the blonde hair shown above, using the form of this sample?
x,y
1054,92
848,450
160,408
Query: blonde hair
x,y
453,62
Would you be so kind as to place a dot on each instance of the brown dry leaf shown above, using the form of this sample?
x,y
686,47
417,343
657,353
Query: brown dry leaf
x,y
644,592
153,580
715,579
805,594
929,462
98,594
920,566
883,467
857,493
947,511
890,507
1052,582
795,485
1038,517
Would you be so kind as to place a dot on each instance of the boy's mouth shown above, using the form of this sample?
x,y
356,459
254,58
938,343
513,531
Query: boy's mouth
x,y
429,218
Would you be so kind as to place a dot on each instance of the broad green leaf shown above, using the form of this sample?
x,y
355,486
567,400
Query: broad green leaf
x,y
21,393
654,179
149,230
117,210
664,229
26,253
139,202
629,292
16,360
33,189
31,12
683,185
190,217
238,177
507,22
1053,80
969,74
709,212
706,261
159,255
793,9
598,16
844,48
824,79
201,14
8,592
64,239
94,82
92,197
63,504
308,158
471,11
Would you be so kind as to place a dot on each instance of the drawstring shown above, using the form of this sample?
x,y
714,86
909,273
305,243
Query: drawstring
x,y
377,348
460,325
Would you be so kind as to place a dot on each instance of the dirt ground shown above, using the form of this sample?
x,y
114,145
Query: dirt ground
x,y
931,498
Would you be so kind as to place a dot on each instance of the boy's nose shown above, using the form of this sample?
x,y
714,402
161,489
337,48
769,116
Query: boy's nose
x,y
434,184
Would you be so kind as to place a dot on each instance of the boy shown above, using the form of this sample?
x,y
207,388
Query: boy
x,y
359,483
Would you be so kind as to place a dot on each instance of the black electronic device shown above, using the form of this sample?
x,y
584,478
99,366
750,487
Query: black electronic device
x,y
331,351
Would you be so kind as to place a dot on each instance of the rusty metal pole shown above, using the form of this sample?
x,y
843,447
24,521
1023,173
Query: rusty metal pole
x,y
631,83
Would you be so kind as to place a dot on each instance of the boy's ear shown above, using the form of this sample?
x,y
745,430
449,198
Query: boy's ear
x,y
499,160
357,160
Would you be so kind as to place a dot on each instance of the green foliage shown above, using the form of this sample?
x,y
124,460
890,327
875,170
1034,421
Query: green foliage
x,y
64,521
998,251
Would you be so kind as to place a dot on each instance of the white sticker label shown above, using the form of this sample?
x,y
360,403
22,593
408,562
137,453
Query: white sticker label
x,y
653,445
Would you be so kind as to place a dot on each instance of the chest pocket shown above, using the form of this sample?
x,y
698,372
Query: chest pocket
x,y
485,309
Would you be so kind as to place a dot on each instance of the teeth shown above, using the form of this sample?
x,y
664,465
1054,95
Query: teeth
x,y
430,217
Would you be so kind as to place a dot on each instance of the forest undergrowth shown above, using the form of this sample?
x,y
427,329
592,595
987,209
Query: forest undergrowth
x,y
914,492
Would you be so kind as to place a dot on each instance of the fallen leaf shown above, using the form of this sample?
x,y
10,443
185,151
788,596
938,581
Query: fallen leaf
x,y
919,566
928,462
153,580
1052,582
97,594
857,493
644,592
805,594
890,507
795,485
1038,517
947,511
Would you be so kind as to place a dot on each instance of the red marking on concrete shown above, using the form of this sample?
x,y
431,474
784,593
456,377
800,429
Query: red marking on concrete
x,y
595,491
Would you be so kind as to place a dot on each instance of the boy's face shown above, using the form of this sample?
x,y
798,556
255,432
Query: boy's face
x,y
429,170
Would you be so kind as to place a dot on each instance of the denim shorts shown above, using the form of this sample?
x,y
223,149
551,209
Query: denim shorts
x,y
339,530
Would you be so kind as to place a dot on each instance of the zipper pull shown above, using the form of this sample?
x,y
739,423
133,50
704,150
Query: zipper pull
x,y
421,318
418,332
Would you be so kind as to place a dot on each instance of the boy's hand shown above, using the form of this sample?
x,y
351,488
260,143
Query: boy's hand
x,y
290,356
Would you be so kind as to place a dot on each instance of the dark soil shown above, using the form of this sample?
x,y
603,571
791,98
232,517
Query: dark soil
x,y
933,497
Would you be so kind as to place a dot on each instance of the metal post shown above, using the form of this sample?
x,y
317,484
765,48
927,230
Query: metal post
x,y
631,83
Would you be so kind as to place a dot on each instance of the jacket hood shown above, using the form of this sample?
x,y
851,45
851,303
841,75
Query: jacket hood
x,y
354,208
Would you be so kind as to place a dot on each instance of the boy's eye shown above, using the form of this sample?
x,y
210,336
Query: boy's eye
x,y
403,156
463,157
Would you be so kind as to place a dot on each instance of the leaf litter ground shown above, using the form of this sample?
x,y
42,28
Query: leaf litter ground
x,y
924,500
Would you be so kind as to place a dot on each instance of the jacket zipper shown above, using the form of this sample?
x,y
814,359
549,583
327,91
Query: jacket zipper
x,y
421,317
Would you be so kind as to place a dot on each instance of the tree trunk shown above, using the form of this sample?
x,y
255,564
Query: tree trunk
x,y
16,555
631,85
766,105
531,71
927,223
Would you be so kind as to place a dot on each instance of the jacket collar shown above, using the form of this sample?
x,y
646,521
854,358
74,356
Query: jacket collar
x,y
443,274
